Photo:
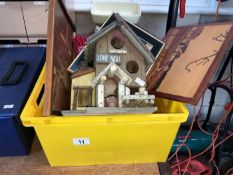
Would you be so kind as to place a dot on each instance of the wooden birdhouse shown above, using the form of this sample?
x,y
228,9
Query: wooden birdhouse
x,y
117,43
121,59
116,47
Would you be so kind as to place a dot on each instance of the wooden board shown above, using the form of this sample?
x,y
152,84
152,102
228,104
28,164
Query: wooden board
x,y
82,71
190,58
109,111
60,54
36,163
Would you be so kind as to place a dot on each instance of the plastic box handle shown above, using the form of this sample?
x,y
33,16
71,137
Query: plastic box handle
x,y
7,79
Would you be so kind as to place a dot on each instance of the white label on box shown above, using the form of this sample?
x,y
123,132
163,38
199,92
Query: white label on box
x,y
11,106
81,141
3,3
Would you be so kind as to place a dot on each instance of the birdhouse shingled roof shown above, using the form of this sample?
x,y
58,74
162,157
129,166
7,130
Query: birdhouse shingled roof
x,y
128,32
147,44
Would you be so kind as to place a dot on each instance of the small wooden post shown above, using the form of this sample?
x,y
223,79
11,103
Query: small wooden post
x,y
127,91
100,95
89,97
121,93
112,71
75,101
79,90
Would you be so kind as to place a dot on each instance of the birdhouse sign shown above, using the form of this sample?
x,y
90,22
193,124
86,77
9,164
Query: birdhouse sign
x,y
108,58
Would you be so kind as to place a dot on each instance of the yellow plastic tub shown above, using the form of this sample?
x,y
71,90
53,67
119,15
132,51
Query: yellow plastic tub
x,y
92,140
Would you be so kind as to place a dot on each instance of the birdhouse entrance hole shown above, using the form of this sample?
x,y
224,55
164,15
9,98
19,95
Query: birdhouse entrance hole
x,y
132,67
117,42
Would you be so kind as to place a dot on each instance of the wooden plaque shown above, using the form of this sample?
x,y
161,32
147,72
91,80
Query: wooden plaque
x,y
60,54
190,57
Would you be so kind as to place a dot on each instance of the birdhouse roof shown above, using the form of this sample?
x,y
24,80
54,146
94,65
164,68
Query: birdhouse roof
x,y
128,32
82,72
149,45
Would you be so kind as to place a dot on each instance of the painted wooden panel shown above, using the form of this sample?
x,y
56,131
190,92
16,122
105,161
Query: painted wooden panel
x,y
188,61
60,54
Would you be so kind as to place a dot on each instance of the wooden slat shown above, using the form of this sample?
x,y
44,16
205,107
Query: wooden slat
x,y
102,111
188,61
58,58
82,71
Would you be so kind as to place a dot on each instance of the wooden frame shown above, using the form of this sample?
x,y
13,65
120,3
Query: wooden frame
x,y
160,69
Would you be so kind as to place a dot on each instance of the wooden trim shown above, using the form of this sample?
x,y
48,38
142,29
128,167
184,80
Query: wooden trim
x,y
173,97
57,15
153,82
49,62
83,87
83,71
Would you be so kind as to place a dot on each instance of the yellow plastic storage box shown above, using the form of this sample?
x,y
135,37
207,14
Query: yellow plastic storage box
x,y
92,140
